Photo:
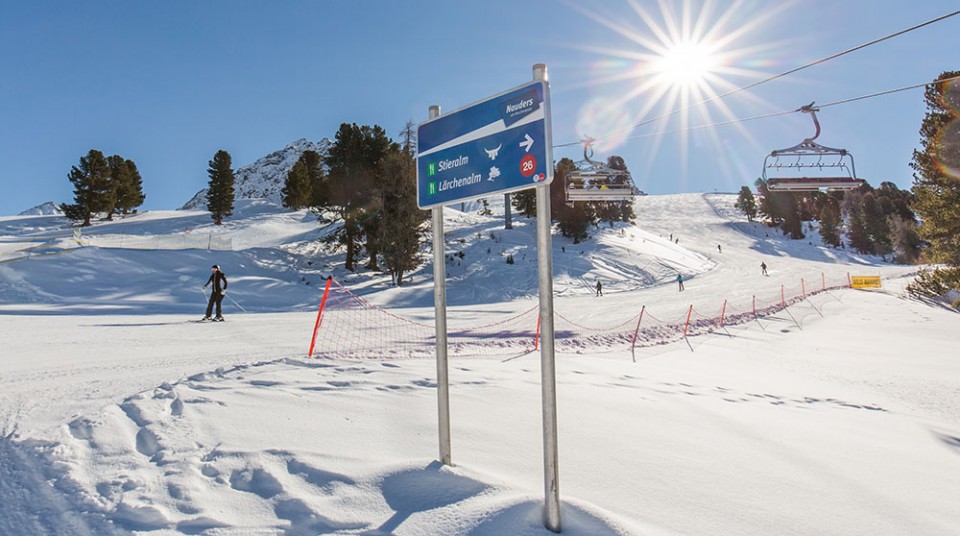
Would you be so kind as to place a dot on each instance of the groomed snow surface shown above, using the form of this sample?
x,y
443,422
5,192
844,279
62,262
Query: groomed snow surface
x,y
838,415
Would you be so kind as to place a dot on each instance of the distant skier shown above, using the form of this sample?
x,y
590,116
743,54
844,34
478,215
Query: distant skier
x,y
218,290
680,281
719,249
763,268
599,288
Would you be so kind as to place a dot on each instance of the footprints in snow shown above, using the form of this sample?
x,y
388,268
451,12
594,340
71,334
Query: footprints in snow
x,y
148,435
291,486
737,397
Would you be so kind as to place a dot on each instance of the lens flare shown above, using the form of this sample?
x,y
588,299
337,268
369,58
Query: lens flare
x,y
601,114
948,149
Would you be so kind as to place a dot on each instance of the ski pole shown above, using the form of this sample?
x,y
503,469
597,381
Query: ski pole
x,y
235,302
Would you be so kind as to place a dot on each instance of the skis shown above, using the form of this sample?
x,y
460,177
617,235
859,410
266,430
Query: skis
x,y
207,319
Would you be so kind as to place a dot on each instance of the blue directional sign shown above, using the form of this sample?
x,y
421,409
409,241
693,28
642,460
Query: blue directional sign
x,y
499,145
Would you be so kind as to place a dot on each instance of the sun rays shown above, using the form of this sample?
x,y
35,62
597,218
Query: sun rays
x,y
680,58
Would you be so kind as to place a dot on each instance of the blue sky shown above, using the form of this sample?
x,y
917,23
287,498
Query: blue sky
x,y
167,84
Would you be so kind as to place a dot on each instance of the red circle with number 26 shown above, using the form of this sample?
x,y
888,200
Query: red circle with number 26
x,y
528,165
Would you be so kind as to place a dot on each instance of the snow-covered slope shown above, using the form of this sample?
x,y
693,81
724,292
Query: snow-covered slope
x,y
264,178
119,416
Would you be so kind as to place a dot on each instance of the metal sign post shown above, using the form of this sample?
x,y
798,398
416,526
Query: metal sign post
x,y
548,374
499,145
440,307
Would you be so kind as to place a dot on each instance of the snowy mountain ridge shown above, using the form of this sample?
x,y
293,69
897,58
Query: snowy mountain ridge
x,y
46,209
264,178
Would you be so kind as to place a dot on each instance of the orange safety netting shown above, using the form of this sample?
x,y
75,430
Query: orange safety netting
x,y
350,327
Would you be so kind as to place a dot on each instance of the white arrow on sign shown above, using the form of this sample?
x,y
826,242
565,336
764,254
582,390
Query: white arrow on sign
x,y
527,143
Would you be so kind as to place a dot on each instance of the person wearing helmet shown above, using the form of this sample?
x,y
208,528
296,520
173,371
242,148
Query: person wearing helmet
x,y
219,288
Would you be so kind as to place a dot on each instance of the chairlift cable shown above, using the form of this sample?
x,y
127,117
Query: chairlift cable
x,y
785,112
781,75
882,93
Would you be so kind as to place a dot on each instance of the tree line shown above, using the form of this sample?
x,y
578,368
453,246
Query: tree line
x,y
875,221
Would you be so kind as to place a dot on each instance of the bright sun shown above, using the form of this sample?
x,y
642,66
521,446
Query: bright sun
x,y
679,56
686,64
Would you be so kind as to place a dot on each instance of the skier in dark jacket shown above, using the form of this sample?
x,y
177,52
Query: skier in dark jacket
x,y
219,289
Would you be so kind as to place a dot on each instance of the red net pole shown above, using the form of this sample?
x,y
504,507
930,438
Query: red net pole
x,y
637,331
783,298
723,312
690,312
803,289
316,326
823,279
849,280
536,340
754,305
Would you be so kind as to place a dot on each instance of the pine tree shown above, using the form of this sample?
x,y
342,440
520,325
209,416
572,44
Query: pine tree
x,y
572,219
317,178
746,203
220,192
73,211
402,220
525,201
558,188
354,162
876,225
93,191
127,185
781,209
767,208
792,223
620,210
118,177
895,202
297,191
831,222
857,233
904,239
936,186
130,194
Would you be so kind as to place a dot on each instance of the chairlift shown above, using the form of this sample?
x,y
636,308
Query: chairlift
x,y
594,181
809,166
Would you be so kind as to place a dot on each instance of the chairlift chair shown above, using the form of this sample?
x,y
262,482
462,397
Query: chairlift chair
x,y
594,181
812,167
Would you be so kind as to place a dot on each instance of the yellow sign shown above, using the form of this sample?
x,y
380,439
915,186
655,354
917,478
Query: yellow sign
x,y
865,281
